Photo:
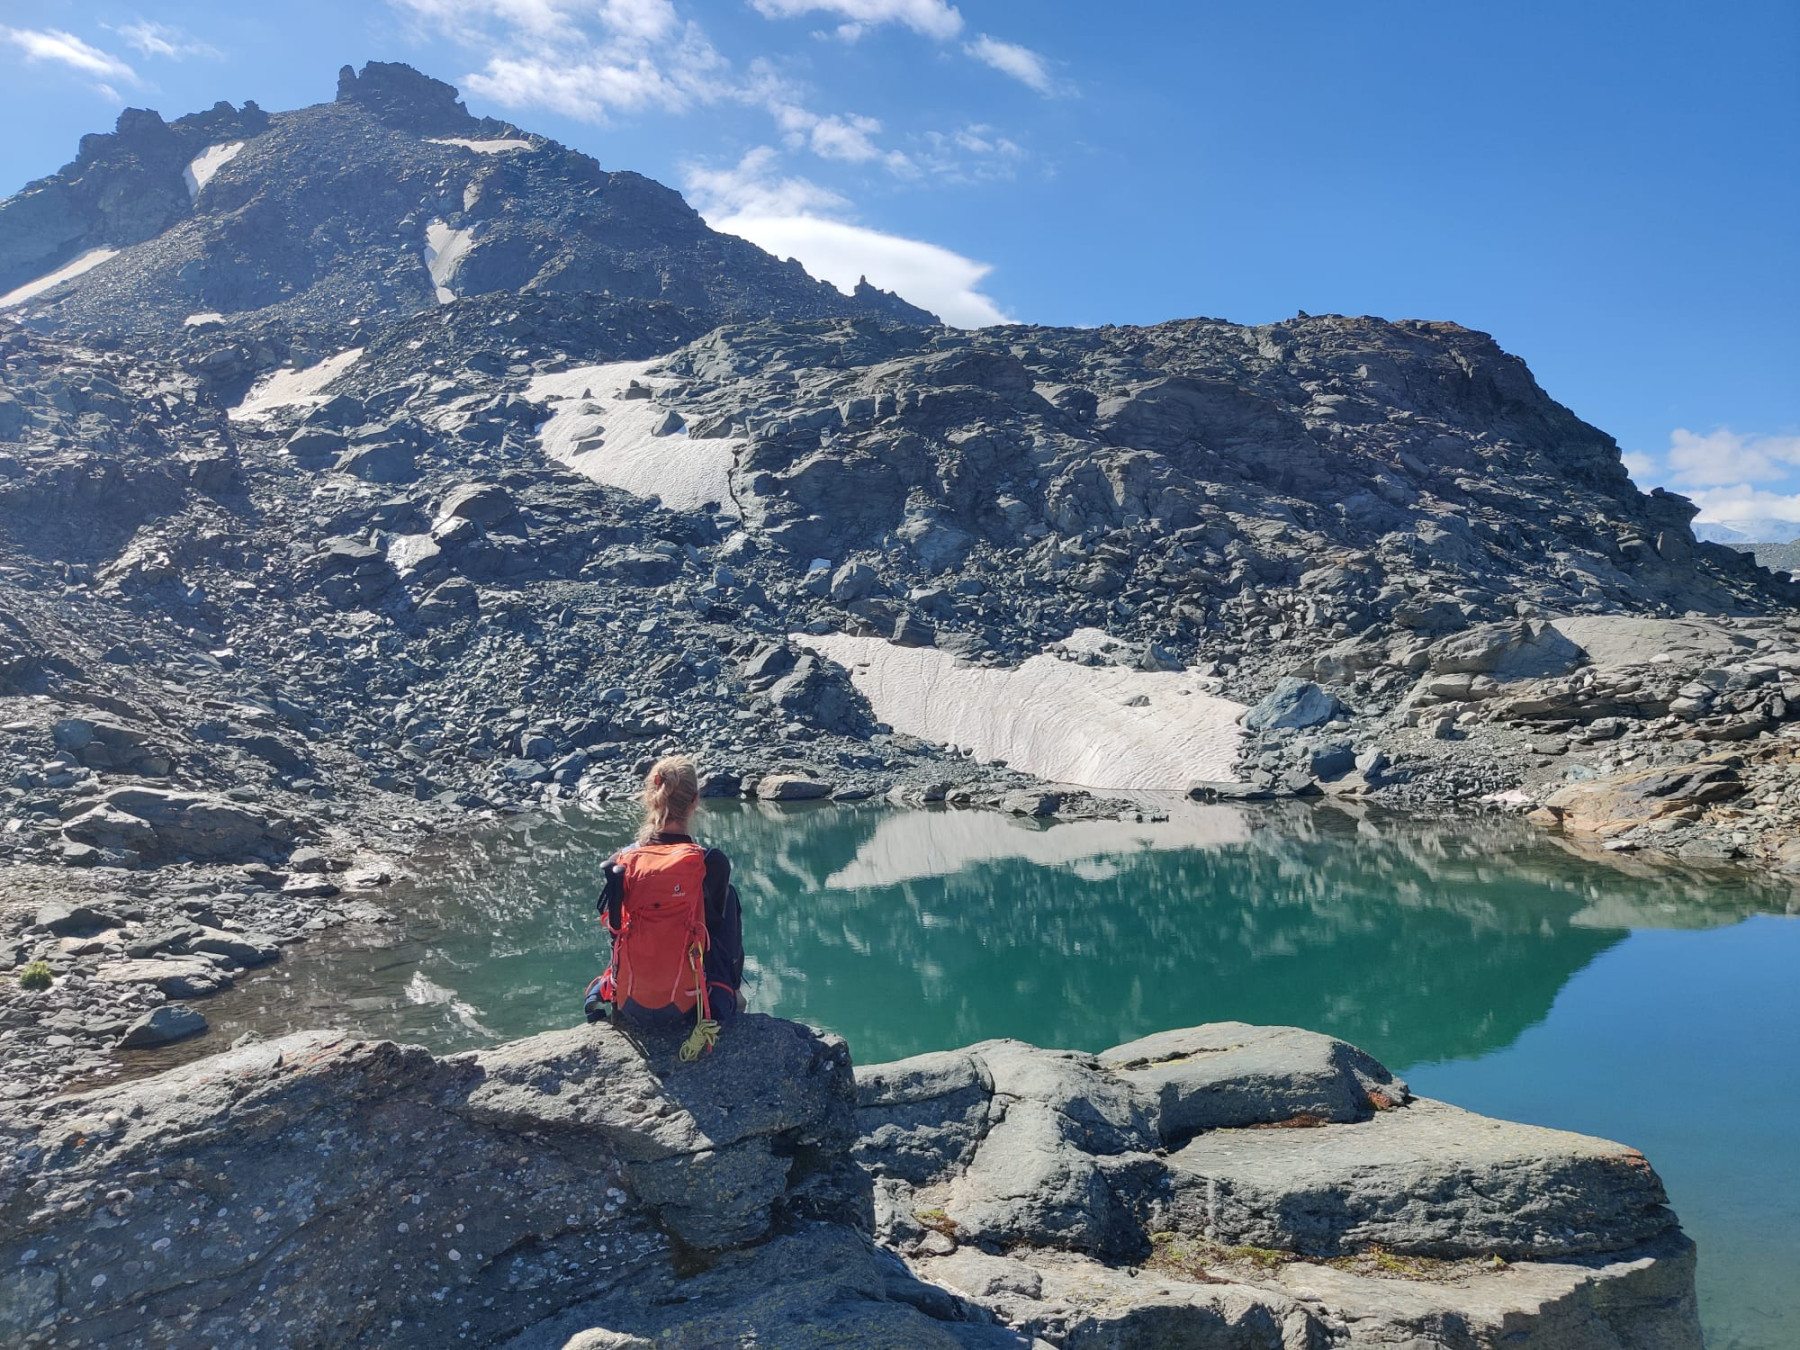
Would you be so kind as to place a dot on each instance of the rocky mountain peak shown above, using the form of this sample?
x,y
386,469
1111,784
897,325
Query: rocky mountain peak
x,y
403,97
387,201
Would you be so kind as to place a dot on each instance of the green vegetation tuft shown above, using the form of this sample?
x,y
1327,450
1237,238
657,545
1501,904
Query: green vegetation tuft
x,y
936,1220
36,976
1192,1258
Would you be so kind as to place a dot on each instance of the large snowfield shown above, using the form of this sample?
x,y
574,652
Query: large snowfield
x,y
1093,726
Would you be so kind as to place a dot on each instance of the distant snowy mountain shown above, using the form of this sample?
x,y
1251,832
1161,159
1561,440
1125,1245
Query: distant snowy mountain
x,y
1747,531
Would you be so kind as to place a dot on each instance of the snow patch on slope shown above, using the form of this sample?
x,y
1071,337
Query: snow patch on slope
x,y
1064,722
614,440
444,250
498,146
293,388
86,262
203,166
911,845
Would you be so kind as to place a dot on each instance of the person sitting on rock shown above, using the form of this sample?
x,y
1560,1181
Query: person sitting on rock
x,y
676,926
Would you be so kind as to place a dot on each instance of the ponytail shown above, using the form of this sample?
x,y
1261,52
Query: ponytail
x,y
671,792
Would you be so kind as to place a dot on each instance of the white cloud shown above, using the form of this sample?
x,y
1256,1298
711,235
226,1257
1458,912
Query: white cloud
x,y
752,188
1641,467
1742,502
582,60
930,18
160,39
1023,64
792,217
926,274
1724,457
54,45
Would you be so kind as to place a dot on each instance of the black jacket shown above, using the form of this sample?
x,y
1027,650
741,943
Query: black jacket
x,y
724,916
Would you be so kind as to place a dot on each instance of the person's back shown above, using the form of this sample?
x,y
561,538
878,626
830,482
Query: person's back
x,y
674,918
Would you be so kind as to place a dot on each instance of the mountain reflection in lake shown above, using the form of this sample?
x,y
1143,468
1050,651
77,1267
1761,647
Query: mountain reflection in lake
x,y
916,930
1493,966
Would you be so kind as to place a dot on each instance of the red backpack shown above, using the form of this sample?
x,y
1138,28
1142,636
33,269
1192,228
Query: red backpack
x,y
659,948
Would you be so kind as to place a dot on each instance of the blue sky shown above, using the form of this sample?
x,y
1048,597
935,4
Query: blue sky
x,y
1611,189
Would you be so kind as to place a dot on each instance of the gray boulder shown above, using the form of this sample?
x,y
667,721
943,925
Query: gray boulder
x,y
853,581
639,566
1428,1179
919,1119
1506,651
791,787
162,824
159,1026
72,920
485,504
383,462
241,949
1293,702
454,599
1227,1075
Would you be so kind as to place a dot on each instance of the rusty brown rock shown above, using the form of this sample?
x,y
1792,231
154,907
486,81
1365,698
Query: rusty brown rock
x,y
1609,806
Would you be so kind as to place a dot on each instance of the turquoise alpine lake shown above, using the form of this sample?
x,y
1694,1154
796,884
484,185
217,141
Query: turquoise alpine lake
x,y
1486,962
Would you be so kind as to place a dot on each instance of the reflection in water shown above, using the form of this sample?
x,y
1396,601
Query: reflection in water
x,y
1447,950
917,930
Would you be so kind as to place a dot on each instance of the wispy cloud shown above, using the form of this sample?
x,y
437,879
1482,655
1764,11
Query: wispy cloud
x,y
56,47
930,18
584,61
1009,58
162,40
971,154
754,186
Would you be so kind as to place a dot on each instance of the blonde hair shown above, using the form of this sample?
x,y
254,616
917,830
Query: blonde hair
x,y
671,792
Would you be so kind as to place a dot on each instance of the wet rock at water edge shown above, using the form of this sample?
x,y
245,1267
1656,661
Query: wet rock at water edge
x,y
171,1022
783,787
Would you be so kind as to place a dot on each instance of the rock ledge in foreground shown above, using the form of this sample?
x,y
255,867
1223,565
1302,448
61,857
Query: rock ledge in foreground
x,y
1248,1188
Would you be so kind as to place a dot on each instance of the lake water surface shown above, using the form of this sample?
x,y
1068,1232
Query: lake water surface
x,y
1482,961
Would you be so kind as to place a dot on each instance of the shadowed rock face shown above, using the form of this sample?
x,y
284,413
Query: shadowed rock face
x,y
581,1189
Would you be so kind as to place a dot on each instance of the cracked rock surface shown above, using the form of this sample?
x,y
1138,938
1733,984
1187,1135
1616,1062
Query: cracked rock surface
x,y
583,1189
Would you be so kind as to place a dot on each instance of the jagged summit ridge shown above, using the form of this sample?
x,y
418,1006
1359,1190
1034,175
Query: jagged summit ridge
x,y
388,200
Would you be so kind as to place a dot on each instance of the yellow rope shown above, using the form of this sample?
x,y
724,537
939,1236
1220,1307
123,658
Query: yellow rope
x,y
705,1034
703,1037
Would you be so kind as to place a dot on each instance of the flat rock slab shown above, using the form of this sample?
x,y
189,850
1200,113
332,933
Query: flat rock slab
x,y
1228,1074
1642,1298
1627,640
1428,1179
178,978
332,1187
